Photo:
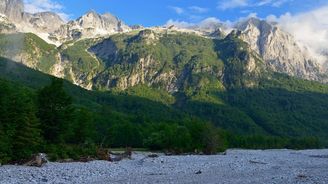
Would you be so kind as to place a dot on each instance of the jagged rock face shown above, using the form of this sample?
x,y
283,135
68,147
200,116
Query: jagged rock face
x,y
219,34
91,25
243,67
13,9
144,71
6,27
44,22
147,36
105,50
127,71
127,67
279,49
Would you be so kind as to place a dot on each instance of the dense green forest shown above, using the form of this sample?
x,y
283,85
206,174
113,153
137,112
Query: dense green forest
x,y
39,113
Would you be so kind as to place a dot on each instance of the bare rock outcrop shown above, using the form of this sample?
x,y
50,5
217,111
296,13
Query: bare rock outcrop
x,y
279,49
90,25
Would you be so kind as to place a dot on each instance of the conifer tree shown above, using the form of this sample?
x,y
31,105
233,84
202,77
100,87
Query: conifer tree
x,y
27,137
55,112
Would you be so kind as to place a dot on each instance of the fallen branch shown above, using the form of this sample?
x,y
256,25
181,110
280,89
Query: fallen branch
x,y
257,162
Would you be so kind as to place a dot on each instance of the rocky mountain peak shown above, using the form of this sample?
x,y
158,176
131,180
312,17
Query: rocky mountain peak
x,y
90,19
234,34
40,21
251,22
106,21
148,36
279,49
90,25
13,9
219,33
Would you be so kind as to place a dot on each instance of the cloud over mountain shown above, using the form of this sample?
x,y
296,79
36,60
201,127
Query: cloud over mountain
x,y
309,28
36,6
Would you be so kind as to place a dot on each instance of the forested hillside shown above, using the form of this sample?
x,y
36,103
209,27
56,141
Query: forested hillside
x,y
53,116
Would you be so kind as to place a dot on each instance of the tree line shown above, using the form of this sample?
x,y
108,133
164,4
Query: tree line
x,y
49,121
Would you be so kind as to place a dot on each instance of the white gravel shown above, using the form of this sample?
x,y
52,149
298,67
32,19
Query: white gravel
x,y
238,166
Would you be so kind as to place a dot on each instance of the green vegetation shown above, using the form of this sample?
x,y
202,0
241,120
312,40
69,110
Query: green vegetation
x,y
219,103
81,61
29,48
189,56
151,94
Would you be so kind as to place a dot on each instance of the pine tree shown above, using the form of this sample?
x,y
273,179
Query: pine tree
x,y
19,127
27,137
84,128
55,112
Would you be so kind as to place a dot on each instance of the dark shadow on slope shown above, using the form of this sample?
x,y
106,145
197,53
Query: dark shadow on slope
x,y
130,105
271,111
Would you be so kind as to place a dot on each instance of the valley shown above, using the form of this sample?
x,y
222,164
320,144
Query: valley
x,y
70,89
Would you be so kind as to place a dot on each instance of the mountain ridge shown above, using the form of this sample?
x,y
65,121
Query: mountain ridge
x,y
278,49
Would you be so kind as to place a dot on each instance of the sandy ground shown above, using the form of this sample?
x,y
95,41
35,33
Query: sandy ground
x,y
237,166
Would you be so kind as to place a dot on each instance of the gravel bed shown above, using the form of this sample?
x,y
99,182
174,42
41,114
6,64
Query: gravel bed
x,y
237,166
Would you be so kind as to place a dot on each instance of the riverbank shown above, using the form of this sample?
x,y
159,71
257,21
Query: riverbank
x,y
237,166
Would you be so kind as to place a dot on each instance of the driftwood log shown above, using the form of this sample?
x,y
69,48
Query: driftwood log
x,y
37,160
115,157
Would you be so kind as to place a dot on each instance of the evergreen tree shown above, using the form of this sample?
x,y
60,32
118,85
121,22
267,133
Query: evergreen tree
x,y
84,129
5,145
27,137
19,127
55,112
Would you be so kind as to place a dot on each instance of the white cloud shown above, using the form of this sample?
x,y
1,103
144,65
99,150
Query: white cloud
x,y
177,10
197,9
280,2
179,24
264,2
208,24
309,28
35,6
230,4
252,15
273,3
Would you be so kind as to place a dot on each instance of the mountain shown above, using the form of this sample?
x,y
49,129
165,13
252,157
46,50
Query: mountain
x,y
277,106
13,9
41,24
249,81
162,88
280,50
40,21
173,62
90,25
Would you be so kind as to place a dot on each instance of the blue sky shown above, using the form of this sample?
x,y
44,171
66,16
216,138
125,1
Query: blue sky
x,y
158,12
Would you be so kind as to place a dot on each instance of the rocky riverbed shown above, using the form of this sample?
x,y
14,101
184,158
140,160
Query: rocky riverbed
x,y
237,166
